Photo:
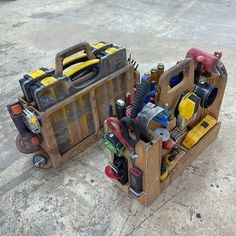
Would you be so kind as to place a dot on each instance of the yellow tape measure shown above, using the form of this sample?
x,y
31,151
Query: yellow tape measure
x,y
188,105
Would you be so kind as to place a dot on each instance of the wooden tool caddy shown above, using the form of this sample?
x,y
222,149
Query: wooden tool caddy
x,y
150,154
92,104
73,124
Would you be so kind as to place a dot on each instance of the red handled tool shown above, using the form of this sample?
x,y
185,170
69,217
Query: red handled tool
x,y
167,145
208,61
127,123
113,124
111,173
118,169
120,127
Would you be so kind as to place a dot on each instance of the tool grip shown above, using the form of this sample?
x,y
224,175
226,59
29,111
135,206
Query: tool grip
x,y
114,125
125,122
198,72
83,82
142,92
209,62
70,51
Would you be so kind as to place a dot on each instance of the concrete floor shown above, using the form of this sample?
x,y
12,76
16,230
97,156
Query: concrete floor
x,y
77,198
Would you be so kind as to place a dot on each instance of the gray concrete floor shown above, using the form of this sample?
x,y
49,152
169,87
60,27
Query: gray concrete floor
x,y
77,198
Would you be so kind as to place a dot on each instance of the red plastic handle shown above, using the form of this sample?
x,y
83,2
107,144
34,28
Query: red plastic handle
x,y
110,173
208,61
113,124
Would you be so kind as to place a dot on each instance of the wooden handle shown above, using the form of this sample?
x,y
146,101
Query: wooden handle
x,y
70,51
170,95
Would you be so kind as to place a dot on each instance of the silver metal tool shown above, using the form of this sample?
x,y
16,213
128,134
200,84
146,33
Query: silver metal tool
x,y
163,133
148,112
31,121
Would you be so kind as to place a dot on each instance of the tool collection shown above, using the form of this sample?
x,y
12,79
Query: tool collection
x,y
164,123
155,125
63,108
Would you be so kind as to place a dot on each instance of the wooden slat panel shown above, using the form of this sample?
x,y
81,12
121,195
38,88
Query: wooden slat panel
x,y
82,119
92,98
95,85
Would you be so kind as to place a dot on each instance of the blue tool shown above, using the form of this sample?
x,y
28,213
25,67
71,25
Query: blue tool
x,y
176,79
163,117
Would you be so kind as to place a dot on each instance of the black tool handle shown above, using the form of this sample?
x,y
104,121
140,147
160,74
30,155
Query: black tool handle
x,y
70,51
126,122
141,92
120,110
197,72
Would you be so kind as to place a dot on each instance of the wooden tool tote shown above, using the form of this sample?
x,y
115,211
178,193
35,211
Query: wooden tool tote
x,y
149,155
75,122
